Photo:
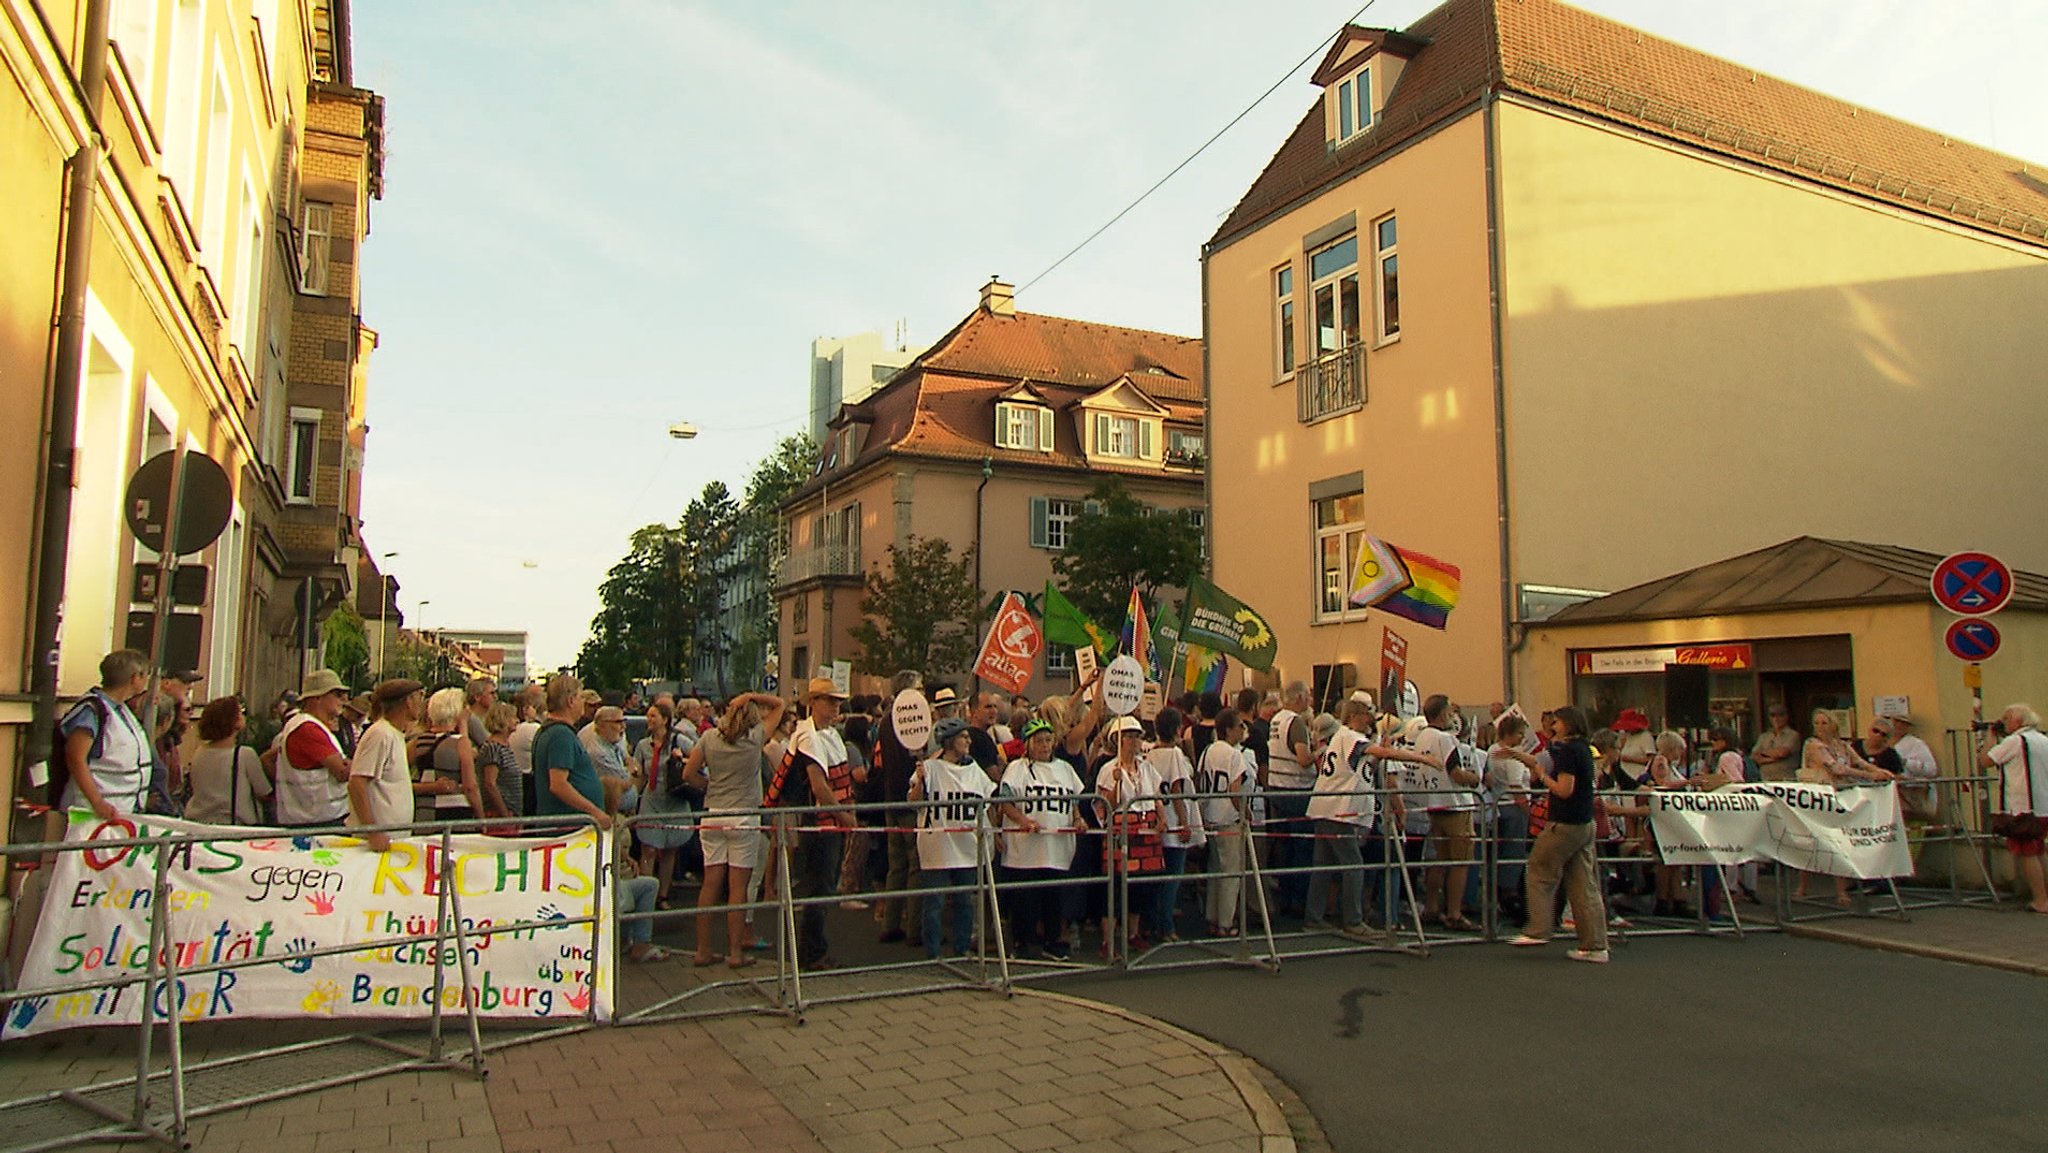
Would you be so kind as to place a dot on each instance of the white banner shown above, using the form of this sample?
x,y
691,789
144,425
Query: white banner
x,y
1845,833
276,896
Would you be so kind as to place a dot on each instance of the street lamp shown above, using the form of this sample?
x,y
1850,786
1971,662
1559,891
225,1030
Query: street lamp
x,y
682,430
383,613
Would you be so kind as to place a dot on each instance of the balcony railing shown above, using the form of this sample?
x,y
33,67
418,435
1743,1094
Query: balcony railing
x,y
1330,384
803,564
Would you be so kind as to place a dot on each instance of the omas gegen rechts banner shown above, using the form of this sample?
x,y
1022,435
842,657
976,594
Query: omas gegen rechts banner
x,y
1818,828
285,895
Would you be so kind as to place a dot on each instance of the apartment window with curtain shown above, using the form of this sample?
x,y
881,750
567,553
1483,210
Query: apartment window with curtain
x,y
1387,279
1283,321
1125,437
1023,426
1340,534
304,455
314,245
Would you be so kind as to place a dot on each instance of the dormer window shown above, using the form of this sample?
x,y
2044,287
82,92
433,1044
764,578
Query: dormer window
x,y
1124,437
1354,105
1023,426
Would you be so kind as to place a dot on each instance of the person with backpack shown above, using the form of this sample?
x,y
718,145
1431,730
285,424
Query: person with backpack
x,y
442,756
106,753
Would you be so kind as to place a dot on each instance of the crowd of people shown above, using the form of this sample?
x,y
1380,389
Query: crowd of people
x,y
1063,801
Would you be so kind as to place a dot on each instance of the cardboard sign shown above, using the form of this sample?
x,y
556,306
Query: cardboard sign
x,y
1900,706
911,715
1151,701
1123,685
1393,666
1010,651
842,677
1084,668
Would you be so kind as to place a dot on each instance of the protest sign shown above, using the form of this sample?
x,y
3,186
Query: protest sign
x,y
1123,685
911,715
1817,828
1009,653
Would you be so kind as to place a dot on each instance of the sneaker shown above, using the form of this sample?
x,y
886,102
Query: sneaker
x,y
1525,941
1589,956
1357,933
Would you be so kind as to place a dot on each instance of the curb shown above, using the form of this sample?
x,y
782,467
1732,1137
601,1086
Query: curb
x,y
1934,952
1275,1136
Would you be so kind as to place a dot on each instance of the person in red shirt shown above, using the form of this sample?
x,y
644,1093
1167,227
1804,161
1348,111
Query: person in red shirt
x,y
312,773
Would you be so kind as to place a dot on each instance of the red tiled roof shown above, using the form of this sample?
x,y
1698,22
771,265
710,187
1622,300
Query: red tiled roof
x,y
1557,54
1027,346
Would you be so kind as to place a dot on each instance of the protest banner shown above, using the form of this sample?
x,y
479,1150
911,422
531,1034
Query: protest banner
x,y
1009,653
240,900
1818,828
911,715
1123,685
1393,666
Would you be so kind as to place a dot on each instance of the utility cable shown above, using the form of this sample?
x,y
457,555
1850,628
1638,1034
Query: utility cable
x,y
1161,182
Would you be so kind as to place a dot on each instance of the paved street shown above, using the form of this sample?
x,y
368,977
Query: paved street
x,y
1681,1044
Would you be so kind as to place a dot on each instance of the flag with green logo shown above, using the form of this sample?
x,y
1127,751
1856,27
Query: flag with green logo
x,y
1065,625
1222,623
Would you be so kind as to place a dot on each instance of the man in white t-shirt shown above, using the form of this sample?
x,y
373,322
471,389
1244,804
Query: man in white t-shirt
x,y
1452,805
1342,810
1917,790
2022,755
1224,777
1289,774
815,771
380,780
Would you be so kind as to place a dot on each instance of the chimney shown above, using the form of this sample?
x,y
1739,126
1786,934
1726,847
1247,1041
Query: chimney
x,y
998,298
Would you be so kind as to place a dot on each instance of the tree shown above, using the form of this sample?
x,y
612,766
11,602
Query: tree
x,y
1116,543
710,534
761,546
346,645
642,627
919,612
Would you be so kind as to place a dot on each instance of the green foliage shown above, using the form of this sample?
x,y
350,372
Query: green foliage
x,y
642,627
710,530
919,612
1119,545
347,645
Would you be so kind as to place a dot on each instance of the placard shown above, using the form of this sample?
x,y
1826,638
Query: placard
x,y
1123,685
841,673
1855,832
1009,653
911,715
1151,701
1084,669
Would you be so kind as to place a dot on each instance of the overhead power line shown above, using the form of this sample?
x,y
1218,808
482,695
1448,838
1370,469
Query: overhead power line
x,y
1220,132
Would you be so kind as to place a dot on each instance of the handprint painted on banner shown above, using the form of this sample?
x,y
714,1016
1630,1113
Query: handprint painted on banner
x,y
580,999
300,965
302,843
263,846
25,1011
322,904
324,997
326,857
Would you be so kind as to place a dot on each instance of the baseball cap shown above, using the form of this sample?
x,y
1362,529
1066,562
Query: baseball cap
x,y
188,676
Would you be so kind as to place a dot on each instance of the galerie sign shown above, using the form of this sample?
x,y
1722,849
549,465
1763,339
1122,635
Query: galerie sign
x,y
1845,833
242,900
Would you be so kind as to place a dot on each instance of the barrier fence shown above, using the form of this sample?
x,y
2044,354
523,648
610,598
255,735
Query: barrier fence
x,y
1370,880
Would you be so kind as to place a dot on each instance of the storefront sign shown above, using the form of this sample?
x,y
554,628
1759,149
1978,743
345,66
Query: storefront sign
x,y
273,898
1612,662
1845,833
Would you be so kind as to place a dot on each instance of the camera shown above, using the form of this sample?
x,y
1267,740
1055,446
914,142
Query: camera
x,y
1995,728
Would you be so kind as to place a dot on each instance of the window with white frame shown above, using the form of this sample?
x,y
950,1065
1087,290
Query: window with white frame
x,y
314,245
1354,105
1059,659
1023,426
1059,522
304,455
1183,446
134,32
1387,278
1125,437
213,213
1340,534
249,285
1333,284
184,94
1283,320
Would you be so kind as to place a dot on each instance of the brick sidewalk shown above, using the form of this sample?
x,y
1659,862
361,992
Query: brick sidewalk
x,y
964,1071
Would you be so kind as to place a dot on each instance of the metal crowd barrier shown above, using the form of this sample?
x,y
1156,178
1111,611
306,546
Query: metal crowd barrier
x,y
154,1104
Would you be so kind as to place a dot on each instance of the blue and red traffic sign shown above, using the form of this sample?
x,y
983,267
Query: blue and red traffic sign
x,y
1971,639
1972,584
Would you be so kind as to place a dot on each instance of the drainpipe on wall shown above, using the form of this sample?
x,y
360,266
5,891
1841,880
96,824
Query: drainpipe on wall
x,y
1508,645
60,433
988,470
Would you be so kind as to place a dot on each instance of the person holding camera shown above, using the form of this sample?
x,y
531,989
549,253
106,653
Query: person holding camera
x,y
2022,755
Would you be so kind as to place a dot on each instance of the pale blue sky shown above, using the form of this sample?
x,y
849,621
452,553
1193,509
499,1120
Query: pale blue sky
x,y
606,216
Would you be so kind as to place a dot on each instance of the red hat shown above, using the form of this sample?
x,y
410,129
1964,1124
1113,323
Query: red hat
x,y
1631,721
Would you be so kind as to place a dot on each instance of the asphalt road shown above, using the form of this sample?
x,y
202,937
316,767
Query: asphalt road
x,y
1679,1045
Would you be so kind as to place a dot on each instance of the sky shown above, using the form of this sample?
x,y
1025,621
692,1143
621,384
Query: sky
x,y
605,217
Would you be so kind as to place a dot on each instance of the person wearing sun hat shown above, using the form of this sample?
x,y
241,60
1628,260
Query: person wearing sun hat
x,y
1916,787
815,772
312,767
1042,824
1638,746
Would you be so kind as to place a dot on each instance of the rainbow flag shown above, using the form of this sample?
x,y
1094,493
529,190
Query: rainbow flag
x,y
1206,671
1432,590
1137,635
1379,575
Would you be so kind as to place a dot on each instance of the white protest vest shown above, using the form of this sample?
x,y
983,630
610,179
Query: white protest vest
x,y
1282,769
307,796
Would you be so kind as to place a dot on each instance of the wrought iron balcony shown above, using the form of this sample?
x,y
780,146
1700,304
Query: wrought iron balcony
x,y
1330,384
836,560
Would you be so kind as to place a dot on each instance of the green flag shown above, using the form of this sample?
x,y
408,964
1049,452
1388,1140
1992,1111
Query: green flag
x,y
1064,625
1166,640
1224,624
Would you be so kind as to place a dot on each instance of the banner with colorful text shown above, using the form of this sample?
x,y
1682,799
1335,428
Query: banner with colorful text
x,y
238,900
1845,833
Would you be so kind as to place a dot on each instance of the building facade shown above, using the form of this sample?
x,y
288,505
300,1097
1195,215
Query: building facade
x,y
503,649
990,440
848,370
1567,306
216,121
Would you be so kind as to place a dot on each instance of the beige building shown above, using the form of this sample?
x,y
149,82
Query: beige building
x,y
221,124
1568,307
989,440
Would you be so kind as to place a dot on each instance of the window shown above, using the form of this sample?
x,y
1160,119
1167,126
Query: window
x,y
1340,534
1024,426
1125,437
1387,280
134,32
1354,106
1059,659
214,214
315,244
800,615
1333,274
249,289
800,664
1183,447
183,91
304,455
1052,521
1283,318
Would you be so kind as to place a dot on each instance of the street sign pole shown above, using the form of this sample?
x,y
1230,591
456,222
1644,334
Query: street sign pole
x,y
166,567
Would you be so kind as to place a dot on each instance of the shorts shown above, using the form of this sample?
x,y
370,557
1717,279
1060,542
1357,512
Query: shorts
x,y
1450,833
2027,848
731,841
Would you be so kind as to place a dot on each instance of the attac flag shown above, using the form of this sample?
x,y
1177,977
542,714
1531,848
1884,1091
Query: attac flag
x,y
1224,624
1380,573
1064,625
1009,653
1137,635
1431,594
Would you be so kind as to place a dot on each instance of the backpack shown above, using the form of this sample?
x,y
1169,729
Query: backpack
x,y
59,775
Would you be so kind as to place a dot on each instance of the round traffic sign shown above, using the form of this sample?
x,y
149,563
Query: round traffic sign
x,y
203,510
1972,584
1972,640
